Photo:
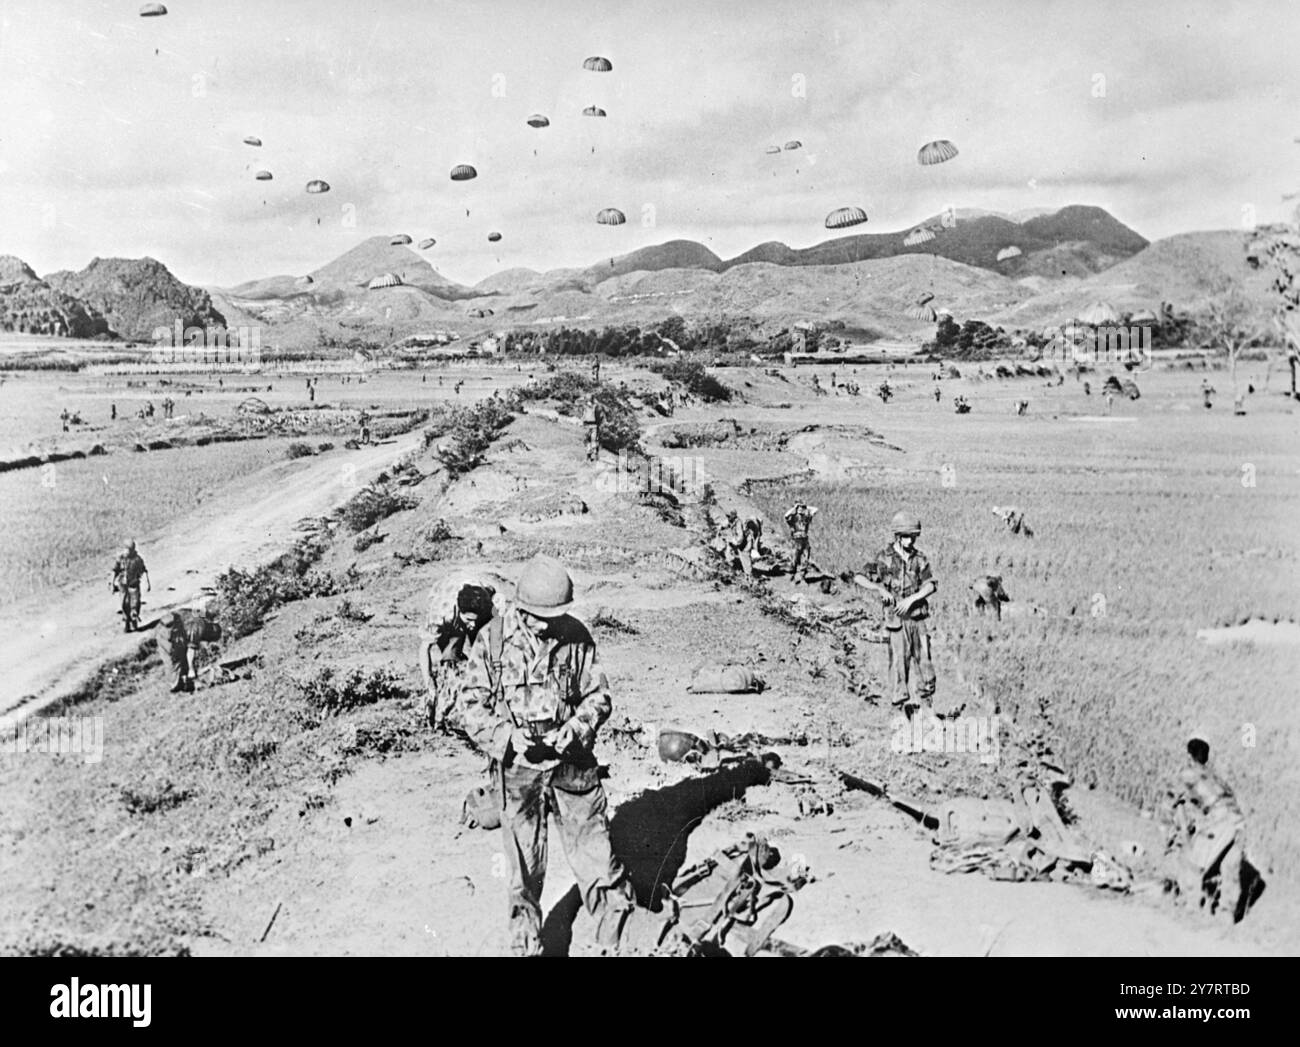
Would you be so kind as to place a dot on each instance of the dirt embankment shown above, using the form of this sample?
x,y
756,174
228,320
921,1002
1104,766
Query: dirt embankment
x,y
347,826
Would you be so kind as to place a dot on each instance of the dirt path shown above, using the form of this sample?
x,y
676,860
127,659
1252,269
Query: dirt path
x,y
54,642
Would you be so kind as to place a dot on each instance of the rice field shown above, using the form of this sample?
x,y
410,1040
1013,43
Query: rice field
x,y
67,521
1145,532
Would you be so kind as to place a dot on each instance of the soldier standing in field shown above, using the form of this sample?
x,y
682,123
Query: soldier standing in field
x,y
592,417
1207,834
900,574
799,519
533,698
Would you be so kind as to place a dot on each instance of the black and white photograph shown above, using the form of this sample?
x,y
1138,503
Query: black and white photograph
x,y
669,479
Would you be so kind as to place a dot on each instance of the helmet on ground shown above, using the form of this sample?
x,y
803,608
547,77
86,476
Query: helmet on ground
x,y
906,523
545,588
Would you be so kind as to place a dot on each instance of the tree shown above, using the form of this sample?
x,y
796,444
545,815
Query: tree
x,y
1229,324
1278,247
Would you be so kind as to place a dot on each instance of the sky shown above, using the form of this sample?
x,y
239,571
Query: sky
x,y
121,136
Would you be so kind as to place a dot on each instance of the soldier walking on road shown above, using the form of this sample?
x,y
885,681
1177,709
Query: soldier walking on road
x,y
533,699
127,572
901,575
799,519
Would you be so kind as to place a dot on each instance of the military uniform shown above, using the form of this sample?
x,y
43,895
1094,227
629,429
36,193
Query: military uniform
x,y
591,421
452,639
1208,836
910,667
127,572
799,519
185,631
541,685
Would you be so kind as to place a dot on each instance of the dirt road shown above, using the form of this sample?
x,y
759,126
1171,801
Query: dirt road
x,y
54,642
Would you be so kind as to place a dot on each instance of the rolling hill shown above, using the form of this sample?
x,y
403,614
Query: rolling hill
x,y
136,296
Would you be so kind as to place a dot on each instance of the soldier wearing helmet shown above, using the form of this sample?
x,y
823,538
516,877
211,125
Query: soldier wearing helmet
x,y
1206,843
128,569
533,698
900,574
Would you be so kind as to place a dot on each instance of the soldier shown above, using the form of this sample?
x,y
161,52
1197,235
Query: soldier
x,y
799,519
1207,391
1014,519
938,394
592,417
533,699
1207,834
901,575
184,634
127,572
445,643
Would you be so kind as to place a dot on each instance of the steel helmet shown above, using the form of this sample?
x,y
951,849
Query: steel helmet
x,y
907,523
544,588
130,546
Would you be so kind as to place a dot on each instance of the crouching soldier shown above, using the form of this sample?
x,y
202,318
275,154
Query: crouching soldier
x,y
1206,844
533,698
450,630
1013,519
901,576
186,631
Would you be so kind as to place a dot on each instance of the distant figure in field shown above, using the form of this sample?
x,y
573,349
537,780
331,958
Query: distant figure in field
x,y
1087,388
63,417
989,595
1110,399
1239,404
1022,407
938,395
1207,391
1014,519
799,519
112,416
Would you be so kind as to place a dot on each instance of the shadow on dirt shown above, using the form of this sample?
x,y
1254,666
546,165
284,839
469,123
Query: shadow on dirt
x,y
650,833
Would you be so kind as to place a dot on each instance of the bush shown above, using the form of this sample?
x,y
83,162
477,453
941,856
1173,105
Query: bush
x,y
245,598
331,696
692,375
372,504
471,431
298,450
327,446
366,539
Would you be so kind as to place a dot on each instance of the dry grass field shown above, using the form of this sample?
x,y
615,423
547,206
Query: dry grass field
x,y
1147,530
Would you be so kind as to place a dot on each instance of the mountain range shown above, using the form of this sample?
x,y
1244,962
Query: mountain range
x,y
1067,259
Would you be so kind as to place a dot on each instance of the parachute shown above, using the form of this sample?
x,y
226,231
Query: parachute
x,y
1144,316
611,216
771,149
386,280
1099,313
152,11
1008,252
917,236
843,217
426,244
594,110
923,312
794,144
253,140
263,176
936,152
538,120
493,237
399,240
317,186
924,297
598,64
463,173
304,281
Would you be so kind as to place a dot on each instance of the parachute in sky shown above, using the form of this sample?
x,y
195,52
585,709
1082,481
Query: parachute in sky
x,y
843,217
611,216
386,280
1009,252
493,237
772,149
253,140
794,144
399,240
936,152
594,110
918,236
538,120
152,11
317,186
263,176
427,243
463,173
598,64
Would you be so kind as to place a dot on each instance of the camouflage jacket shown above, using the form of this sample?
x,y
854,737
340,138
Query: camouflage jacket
x,y
799,520
902,577
128,570
1202,798
544,683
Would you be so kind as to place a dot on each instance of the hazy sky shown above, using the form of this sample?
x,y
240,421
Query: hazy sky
x,y
121,135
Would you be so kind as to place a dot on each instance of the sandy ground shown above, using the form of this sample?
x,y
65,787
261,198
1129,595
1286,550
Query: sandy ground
x,y
385,868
